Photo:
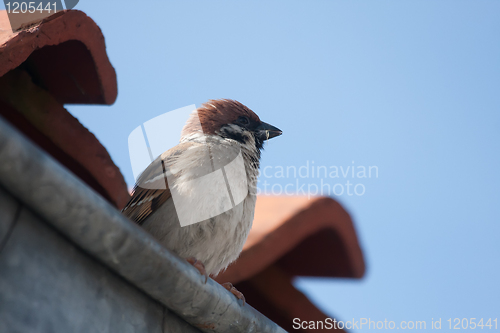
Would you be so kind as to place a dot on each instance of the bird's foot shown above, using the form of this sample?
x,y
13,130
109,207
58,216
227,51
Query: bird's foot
x,y
229,286
199,266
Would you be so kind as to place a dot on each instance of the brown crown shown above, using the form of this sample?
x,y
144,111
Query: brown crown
x,y
215,113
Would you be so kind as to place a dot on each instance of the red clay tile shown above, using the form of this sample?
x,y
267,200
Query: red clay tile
x,y
303,237
294,236
78,72
61,59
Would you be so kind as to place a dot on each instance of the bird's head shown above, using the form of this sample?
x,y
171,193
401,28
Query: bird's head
x,y
230,119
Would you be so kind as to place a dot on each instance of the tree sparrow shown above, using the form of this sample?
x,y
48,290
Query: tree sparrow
x,y
180,186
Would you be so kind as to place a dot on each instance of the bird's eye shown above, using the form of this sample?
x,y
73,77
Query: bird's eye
x,y
243,120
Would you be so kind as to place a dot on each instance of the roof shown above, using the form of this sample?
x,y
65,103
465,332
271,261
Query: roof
x,y
61,59
294,232
68,57
290,237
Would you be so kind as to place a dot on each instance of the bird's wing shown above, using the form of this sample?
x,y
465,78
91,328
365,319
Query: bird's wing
x,y
151,189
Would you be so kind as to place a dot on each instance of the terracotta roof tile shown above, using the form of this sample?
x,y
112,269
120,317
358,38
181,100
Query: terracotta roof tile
x,y
294,236
304,237
78,73
60,59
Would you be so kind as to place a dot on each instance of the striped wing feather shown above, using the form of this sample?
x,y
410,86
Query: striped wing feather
x,y
151,190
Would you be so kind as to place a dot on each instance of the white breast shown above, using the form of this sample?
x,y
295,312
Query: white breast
x,y
216,241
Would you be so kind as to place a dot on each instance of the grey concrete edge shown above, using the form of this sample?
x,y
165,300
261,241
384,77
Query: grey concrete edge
x,y
101,230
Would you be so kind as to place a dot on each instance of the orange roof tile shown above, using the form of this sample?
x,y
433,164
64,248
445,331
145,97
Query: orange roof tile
x,y
61,59
294,236
71,60
304,237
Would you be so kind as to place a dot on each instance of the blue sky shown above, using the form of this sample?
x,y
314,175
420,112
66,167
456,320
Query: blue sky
x,y
411,87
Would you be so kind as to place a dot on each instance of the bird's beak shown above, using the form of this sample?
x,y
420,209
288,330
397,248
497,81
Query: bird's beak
x,y
266,131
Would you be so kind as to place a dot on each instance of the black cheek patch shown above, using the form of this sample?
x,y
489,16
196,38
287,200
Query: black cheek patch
x,y
237,136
